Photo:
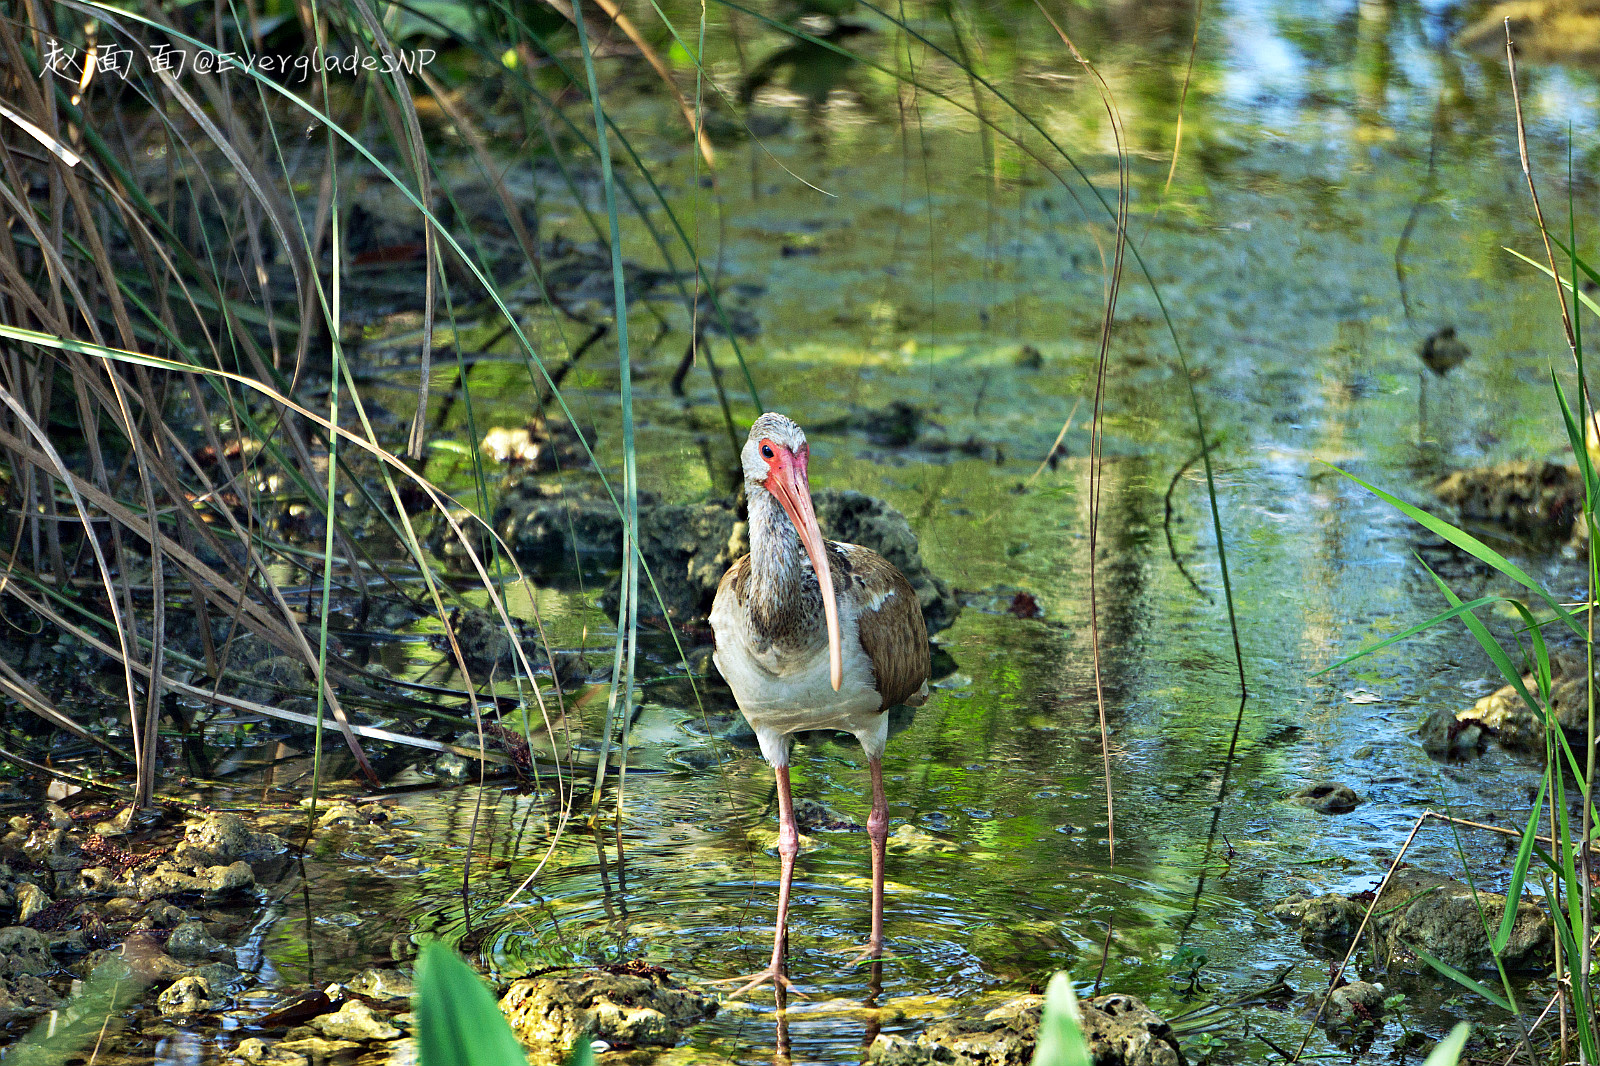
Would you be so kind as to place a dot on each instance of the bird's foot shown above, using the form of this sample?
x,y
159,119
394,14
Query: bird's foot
x,y
771,975
864,953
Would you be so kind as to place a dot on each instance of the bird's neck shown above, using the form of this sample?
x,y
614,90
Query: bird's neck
x,y
784,598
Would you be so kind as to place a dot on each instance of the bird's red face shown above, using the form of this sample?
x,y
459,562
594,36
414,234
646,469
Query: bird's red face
x,y
789,484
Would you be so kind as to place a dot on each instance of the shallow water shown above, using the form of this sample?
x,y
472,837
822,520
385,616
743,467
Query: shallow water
x,y
917,274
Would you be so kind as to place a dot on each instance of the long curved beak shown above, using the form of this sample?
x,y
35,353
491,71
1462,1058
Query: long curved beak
x,y
792,487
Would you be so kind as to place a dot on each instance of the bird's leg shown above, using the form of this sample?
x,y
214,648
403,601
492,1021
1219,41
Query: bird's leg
x,y
878,833
788,848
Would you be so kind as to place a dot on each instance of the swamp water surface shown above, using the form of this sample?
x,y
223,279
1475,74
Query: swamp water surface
x,y
919,274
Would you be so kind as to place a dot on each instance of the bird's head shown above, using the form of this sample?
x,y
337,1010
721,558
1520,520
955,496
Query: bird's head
x,y
774,460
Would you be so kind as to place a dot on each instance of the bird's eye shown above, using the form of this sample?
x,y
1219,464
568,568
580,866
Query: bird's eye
x,y
766,451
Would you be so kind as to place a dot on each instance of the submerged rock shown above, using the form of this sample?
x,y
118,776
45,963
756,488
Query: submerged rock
x,y
1442,351
1531,498
1121,1031
186,995
646,1009
1327,797
1446,736
355,1021
1435,914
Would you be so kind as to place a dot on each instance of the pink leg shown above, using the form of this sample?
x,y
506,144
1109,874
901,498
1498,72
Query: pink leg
x,y
878,832
788,848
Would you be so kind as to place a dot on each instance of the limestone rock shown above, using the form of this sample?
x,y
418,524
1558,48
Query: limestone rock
x,y
258,1052
354,1021
1433,913
913,841
1504,714
640,1010
222,839
186,995
319,1049
24,951
1121,1031
31,899
191,941
1530,498
1358,1000
382,984
1327,797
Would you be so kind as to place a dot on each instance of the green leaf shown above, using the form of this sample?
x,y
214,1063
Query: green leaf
x,y
1469,983
1061,1041
1519,873
1471,545
458,1021
1447,1052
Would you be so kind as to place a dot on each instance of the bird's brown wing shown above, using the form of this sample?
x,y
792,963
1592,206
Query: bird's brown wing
x,y
890,624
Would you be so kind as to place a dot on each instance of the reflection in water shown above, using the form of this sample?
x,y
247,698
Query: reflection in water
x,y
1309,136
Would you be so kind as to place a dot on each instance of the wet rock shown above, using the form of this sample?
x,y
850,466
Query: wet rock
x,y
1120,1030
913,841
320,1049
186,995
1326,797
167,879
1332,917
1441,351
30,900
1437,914
280,673
814,816
1446,736
1357,1000
1504,715
355,1021
549,529
222,839
382,984
258,1052
688,548
191,941
24,951
550,1013
1531,498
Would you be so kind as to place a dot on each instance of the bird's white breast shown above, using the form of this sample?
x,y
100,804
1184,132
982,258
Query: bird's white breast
x,y
782,694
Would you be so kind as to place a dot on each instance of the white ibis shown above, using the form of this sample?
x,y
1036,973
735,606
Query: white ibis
x,y
812,634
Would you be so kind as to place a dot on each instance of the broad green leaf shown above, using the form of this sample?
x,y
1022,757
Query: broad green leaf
x,y
458,1021
1061,1041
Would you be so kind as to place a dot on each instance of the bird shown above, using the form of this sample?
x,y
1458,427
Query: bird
x,y
813,634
